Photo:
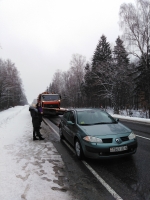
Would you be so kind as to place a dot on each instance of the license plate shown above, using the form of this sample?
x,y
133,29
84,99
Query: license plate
x,y
115,149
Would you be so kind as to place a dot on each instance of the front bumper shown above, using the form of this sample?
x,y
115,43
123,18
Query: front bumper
x,y
103,150
53,111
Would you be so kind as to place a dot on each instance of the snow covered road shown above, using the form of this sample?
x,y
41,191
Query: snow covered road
x,y
28,169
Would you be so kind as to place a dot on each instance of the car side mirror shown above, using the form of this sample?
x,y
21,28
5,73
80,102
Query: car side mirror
x,y
117,120
70,123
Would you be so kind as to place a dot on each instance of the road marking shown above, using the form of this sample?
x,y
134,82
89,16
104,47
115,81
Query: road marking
x,y
143,137
50,126
109,189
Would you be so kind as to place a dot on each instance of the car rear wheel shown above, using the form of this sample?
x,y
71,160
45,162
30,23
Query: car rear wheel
x,y
61,133
78,149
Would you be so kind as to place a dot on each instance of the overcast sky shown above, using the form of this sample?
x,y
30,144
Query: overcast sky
x,y
40,36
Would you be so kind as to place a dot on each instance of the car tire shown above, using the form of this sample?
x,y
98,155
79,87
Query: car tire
x,y
61,133
78,150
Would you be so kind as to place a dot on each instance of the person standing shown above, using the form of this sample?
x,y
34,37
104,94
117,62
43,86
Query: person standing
x,y
40,111
36,121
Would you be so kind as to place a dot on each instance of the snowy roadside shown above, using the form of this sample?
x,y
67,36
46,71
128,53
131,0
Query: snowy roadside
x,y
136,116
136,119
28,169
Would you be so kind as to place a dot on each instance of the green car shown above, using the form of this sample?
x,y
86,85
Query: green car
x,y
96,134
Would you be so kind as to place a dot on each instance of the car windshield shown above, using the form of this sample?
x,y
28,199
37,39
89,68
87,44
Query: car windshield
x,y
92,117
50,97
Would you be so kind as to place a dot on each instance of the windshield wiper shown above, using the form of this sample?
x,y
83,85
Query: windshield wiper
x,y
85,124
104,123
100,123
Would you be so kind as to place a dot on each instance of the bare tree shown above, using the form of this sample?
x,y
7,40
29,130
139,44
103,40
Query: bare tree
x,y
57,82
77,67
11,89
69,83
135,23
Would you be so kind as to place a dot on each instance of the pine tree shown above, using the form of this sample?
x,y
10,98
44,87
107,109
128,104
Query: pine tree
x,y
142,81
87,85
121,68
102,52
120,53
101,58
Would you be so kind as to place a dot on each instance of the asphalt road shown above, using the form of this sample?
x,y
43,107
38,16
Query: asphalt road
x,y
129,177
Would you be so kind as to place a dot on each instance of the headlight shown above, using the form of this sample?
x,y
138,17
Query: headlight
x,y
92,139
132,136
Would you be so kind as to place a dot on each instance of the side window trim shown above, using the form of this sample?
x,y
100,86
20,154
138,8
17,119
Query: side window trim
x,y
72,118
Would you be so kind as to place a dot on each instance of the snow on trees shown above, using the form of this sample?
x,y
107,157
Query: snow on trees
x,y
11,89
135,23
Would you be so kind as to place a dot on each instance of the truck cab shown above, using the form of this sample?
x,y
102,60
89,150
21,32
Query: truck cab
x,y
50,104
50,100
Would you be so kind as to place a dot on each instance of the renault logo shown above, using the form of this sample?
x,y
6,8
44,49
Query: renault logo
x,y
117,140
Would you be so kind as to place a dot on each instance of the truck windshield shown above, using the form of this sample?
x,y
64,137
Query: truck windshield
x,y
50,97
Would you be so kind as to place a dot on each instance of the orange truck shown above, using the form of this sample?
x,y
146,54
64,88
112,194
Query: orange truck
x,y
51,104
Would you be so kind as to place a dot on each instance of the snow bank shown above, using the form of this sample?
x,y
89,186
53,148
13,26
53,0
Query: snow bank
x,y
28,169
137,119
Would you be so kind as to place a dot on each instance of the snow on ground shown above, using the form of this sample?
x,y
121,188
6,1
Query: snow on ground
x,y
28,169
136,116
137,119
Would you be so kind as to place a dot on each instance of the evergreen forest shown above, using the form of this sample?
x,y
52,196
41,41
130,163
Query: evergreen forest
x,y
117,76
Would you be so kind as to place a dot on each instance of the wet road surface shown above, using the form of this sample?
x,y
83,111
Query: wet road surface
x,y
129,177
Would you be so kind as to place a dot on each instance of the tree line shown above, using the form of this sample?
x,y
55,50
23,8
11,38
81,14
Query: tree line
x,y
118,76
11,88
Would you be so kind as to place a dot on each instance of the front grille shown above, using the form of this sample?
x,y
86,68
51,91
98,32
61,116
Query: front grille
x,y
107,140
124,138
51,106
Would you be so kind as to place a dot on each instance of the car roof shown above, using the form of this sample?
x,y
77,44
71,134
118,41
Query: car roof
x,y
49,94
82,109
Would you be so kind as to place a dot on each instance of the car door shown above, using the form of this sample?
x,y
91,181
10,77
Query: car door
x,y
69,127
64,124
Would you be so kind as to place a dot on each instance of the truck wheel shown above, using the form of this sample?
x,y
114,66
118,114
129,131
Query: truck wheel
x,y
78,150
61,133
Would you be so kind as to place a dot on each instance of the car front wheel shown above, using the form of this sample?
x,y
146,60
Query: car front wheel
x,y
78,149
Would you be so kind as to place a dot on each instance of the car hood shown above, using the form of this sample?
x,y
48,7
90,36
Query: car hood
x,y
105,129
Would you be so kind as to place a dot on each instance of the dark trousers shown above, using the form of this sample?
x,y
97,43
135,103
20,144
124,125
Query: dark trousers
x,y
36,132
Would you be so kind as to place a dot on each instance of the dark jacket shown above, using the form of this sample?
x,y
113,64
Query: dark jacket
x,y
39,108
36,117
